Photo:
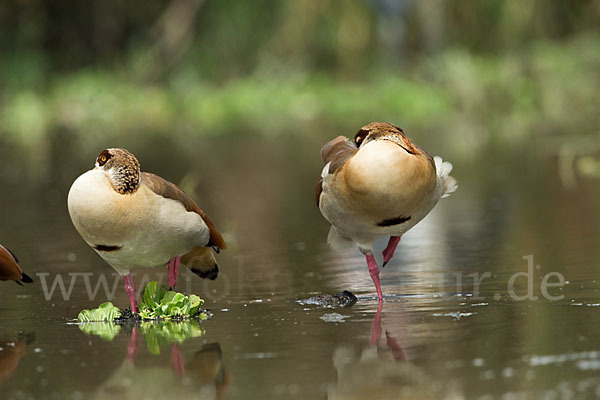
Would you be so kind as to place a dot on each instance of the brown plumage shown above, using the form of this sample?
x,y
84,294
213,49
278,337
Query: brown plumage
x,y
337,152
383,130
171,191
9,267
200,260
379,184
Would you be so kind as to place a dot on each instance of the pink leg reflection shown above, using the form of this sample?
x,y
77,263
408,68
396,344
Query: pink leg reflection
x,y
132,346
177,360
376,326
397,351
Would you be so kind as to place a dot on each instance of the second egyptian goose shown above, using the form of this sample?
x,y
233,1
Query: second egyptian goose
x,y
137,219
379,184
9,267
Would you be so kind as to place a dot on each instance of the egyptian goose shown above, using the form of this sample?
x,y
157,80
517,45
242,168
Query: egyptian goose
x,y
380,184
9,268
137,219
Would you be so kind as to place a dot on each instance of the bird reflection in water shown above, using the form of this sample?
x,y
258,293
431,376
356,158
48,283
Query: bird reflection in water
x,y
379,371
201,376
11,353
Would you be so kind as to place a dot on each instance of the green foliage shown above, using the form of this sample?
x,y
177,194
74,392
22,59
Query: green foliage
x,y
493,98
168,317
475,73
157,303
520,95
107,312
160,303
334,37
99,321
99,106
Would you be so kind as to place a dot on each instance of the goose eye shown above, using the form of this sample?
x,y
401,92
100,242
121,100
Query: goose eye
x,y
103,158
359,138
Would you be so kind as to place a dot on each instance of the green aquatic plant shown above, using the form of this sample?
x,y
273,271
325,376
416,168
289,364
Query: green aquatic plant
x,y
167,317
160,303
107,312
157,303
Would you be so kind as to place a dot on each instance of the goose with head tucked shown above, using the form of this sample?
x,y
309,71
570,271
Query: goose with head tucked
x,y
137,219
379,184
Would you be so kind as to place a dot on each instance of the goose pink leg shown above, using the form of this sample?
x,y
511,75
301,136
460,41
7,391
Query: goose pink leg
x,y
173,271
130,289
388,253
374,272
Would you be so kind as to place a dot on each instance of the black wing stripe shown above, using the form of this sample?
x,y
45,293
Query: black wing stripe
x,y
394,221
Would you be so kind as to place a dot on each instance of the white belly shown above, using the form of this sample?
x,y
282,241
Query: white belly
x,y
148,228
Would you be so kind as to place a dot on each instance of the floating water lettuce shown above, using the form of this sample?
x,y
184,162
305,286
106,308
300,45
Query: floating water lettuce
x,y
160,303
157,303
166,317
107,312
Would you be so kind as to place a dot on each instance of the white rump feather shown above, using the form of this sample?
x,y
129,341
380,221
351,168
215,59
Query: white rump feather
x,y
443,169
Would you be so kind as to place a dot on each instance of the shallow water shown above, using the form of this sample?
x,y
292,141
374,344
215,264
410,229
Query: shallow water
x,y
439,334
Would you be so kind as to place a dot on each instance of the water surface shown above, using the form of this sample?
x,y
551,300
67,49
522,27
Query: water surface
x,y
439,334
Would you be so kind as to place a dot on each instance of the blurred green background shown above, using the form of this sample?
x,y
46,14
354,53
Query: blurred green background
x,y
475,72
